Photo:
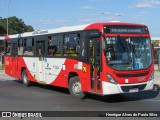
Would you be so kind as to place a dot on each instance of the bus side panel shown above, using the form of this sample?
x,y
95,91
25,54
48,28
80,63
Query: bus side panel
x,y
73,66
11,66
52,73
8,65
23,65
60,81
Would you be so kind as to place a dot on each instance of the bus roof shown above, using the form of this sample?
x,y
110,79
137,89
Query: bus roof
x,y
68,29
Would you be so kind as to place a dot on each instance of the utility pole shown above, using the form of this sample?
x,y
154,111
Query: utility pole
x,y
8,15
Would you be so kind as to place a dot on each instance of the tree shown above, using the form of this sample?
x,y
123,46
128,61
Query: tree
x,y
15,26
2,30
155,43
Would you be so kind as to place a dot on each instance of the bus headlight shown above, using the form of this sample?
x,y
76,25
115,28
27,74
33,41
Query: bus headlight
x,y
110,78
152,76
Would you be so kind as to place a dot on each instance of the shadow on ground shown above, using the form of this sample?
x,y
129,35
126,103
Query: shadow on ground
x,y
125,97
108,98
47,87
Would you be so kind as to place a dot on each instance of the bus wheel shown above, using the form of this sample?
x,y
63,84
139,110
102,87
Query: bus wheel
x,y
25,78
75,88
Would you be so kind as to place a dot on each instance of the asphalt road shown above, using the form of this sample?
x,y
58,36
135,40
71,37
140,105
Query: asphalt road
x,y
14,96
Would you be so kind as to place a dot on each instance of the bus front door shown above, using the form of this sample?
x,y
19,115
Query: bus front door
x,y
40,71
95,64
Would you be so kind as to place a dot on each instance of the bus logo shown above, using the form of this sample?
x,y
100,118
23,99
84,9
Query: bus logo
x,y
6,114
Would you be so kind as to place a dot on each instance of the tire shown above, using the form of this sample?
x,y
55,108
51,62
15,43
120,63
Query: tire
x,y
25,78
75,88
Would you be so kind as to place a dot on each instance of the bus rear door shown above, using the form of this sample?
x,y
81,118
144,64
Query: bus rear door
x,y
40,63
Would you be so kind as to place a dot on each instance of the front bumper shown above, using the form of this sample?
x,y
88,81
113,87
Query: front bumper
x,y
110,88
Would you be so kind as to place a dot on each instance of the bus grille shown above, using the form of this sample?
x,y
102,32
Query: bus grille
x,y
133,75
127,88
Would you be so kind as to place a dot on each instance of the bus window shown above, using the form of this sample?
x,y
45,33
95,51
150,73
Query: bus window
x,y
52,50
20,47
55,42
8,48
14,50
83,48
72,45
29,47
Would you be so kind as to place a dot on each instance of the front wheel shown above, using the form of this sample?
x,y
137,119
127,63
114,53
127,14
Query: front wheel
x,y
25,80
75,88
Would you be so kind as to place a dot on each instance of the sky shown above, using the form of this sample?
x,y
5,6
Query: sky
x,y
50,14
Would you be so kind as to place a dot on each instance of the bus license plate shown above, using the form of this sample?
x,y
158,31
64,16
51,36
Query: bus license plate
x,y
133,90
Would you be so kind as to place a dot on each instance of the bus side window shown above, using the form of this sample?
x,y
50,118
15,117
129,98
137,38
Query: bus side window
x,y
55,45
28,47
8,48
52,50
72,45
20,46
83,48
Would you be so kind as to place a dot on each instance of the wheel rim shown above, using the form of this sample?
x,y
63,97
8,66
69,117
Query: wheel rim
x,y
76,88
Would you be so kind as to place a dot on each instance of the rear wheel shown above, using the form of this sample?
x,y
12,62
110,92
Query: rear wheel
x,y
25,80
75,88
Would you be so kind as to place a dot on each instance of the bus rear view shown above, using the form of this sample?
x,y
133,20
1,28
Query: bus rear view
x,y
129,59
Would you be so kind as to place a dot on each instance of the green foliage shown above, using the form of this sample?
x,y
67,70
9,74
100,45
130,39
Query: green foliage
x,y
155,43
1,67
15,26
158,71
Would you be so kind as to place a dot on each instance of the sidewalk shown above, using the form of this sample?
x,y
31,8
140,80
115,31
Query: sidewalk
x,y
2,72
157,75
157,79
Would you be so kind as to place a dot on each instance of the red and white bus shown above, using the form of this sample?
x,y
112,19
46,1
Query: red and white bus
x,y
101,58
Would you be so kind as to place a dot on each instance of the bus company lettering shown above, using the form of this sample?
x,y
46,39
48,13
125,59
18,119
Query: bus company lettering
x,y
24,115
55,67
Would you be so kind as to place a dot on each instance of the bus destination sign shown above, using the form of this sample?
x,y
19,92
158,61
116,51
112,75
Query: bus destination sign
x,y
126,30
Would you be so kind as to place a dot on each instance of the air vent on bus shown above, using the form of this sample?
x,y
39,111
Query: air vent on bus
x,y
127,88
133,75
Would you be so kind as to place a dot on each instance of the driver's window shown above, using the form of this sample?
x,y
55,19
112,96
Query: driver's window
x,y
14,49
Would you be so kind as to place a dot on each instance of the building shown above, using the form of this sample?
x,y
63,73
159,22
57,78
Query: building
x,y
156,43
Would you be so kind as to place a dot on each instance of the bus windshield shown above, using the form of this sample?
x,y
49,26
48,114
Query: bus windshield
x,y
128,53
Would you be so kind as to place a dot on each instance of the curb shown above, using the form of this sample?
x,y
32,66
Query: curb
x,y
156,73
156,87
157,84
2,71
157,78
